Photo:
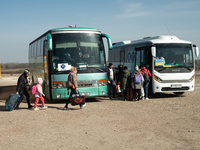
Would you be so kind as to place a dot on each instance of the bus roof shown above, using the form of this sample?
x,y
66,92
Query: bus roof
x,y
74,28
152,40
66,29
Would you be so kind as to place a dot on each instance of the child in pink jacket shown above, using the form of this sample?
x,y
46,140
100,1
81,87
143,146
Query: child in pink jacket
x,y
39,93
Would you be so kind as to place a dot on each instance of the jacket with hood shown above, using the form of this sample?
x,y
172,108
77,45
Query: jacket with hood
x,y
143,70
72,79
137,86
39,91
22,82
125,75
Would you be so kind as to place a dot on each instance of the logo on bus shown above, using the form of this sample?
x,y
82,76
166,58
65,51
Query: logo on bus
x,y
63,66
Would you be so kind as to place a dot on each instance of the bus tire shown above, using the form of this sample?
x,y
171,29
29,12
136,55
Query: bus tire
x,y
179,94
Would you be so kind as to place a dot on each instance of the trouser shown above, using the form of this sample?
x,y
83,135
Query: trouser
x,y
22,97
111,86
138,93
125,94
37,100
73,91
145,85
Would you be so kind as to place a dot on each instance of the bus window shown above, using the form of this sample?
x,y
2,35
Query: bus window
x,y
122,57
143,56
138,58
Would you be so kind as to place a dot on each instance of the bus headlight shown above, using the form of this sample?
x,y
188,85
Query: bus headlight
x,y
192,78
103,82
157,79
58,85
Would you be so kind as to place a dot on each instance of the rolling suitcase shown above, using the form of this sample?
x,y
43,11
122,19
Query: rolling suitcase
x,y
130,94
12,101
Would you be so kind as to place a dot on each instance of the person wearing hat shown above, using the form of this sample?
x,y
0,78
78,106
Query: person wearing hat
x,y
137,82
111,81
22,88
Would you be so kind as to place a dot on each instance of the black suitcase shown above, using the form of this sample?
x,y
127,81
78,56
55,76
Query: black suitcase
x,y
12,101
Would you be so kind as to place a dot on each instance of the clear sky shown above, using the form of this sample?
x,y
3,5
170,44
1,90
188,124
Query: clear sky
x,y
21,21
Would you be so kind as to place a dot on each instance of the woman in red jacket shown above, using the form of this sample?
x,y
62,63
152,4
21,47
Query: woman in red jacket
x,y
146,74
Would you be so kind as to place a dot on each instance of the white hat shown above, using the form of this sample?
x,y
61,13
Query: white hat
x,y
136,67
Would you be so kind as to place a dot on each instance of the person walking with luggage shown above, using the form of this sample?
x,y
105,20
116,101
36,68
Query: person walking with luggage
x,y
111,81
72,84
38,94
123,84
146,74
22,88
137,82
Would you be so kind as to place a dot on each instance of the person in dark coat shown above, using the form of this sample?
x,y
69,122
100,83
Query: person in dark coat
x,y
22,88
119,73
111,81
125,75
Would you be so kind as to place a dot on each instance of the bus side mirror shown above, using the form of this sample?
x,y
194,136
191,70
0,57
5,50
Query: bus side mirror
x,y
153,51
197,51
49,41
110,46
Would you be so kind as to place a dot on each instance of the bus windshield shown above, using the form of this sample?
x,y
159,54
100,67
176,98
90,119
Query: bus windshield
x,y
82,50
174,55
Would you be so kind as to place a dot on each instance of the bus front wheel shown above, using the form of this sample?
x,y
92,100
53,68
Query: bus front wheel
x,y
178,94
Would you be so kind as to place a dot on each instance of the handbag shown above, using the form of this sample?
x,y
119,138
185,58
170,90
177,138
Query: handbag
x,y
77,99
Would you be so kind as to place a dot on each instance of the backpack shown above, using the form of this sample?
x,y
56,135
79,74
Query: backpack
x,y
137,79
34,90
146,77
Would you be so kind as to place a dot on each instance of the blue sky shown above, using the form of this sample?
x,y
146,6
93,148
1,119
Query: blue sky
x,y
22,21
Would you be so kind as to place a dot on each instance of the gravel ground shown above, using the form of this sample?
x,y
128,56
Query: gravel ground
x,y
164,122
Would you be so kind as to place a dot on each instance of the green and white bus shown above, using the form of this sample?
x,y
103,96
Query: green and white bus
x,y
52,54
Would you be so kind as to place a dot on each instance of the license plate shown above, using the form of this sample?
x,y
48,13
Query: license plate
x,y
176,86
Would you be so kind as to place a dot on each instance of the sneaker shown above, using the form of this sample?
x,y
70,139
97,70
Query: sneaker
x,y
110,97
147,98
114,96
66,108
82,106
142,98
36,108
44,107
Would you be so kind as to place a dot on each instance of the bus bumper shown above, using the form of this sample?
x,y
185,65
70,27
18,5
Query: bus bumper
x,y
61,93
172,87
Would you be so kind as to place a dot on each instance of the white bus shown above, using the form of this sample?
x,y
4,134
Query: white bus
x,y
170,60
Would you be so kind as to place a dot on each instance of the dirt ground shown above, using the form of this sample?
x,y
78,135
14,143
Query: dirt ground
x,y
164,122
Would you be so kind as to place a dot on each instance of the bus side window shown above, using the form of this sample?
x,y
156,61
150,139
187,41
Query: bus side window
x,y
143,56
138,58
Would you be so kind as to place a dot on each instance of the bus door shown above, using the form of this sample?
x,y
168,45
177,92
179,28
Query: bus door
x,y
122,57
144,57
46,87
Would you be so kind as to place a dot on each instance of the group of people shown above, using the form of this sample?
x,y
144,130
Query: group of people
x,y
139,81
23,88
